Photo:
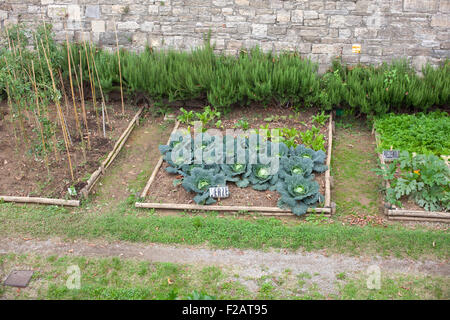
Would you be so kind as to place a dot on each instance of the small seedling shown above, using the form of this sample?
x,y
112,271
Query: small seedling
x,y
320,118
242,124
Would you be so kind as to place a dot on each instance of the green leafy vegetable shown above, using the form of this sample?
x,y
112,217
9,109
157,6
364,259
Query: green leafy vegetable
x,y
199,181
298,193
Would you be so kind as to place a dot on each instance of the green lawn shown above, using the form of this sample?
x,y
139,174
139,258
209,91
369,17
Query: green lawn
x,y
114,278
124,222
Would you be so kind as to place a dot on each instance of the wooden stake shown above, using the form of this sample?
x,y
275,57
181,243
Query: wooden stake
x,y
104,111
58,107
38,121
120,68
73,95
92,87
83,108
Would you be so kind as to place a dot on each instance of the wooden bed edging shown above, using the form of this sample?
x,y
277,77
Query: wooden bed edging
x,y
49,201
394,213
328,209
111,156
266,211
418,215
327,173
158,165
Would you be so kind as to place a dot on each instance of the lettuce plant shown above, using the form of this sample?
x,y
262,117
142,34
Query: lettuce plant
x,y
199,181
317,157
298,193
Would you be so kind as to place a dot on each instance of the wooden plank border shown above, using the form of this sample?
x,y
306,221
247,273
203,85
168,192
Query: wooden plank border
x,y
95,176
158,165
327,203
267,211
327,210
48,201
394,213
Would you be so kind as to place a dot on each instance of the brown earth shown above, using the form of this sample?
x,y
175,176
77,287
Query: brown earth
x,y
25,174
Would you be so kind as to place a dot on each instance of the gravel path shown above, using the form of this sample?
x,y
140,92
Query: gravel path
x,y
249,264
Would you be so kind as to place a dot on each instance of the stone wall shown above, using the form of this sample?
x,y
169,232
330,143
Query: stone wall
x,y
318,29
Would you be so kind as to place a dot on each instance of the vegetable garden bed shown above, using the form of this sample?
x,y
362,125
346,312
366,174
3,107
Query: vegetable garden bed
x,y
408,208
241,199
25,178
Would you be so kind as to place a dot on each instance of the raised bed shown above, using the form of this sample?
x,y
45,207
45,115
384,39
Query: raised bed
x,y
415,213
161,181
83,188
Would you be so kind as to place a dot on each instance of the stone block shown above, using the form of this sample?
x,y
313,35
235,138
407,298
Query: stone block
x,y
98,26
92,12
297,16
309,15
74,12
56,11
241,2
420,5
128,25
441,21
259,30
325,49
283,16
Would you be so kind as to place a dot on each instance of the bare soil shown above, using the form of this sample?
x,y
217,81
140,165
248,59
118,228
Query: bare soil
x,y
24,174
163,190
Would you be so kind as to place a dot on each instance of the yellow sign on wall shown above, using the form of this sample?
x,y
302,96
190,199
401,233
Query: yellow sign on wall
x,y
356,48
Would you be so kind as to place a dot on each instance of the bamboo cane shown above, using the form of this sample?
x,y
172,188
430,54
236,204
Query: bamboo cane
x,y
120,68
38,121
104,111
58,107
83,108
54,141
92,87
73,94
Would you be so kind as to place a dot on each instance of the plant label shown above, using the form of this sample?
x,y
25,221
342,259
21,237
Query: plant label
x,y
390,155
356,48
219,192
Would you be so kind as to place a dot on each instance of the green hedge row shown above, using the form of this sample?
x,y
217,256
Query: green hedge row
x,y
254,76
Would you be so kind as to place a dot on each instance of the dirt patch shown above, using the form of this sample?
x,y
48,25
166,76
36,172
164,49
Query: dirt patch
x,y
134,164
24,174
164,191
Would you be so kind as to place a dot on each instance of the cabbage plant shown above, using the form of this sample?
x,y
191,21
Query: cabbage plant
x,y
233,173
296,165
317,157
199,181
260,177
298,193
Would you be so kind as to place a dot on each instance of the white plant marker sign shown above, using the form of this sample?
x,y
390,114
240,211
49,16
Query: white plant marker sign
x,y
219,192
